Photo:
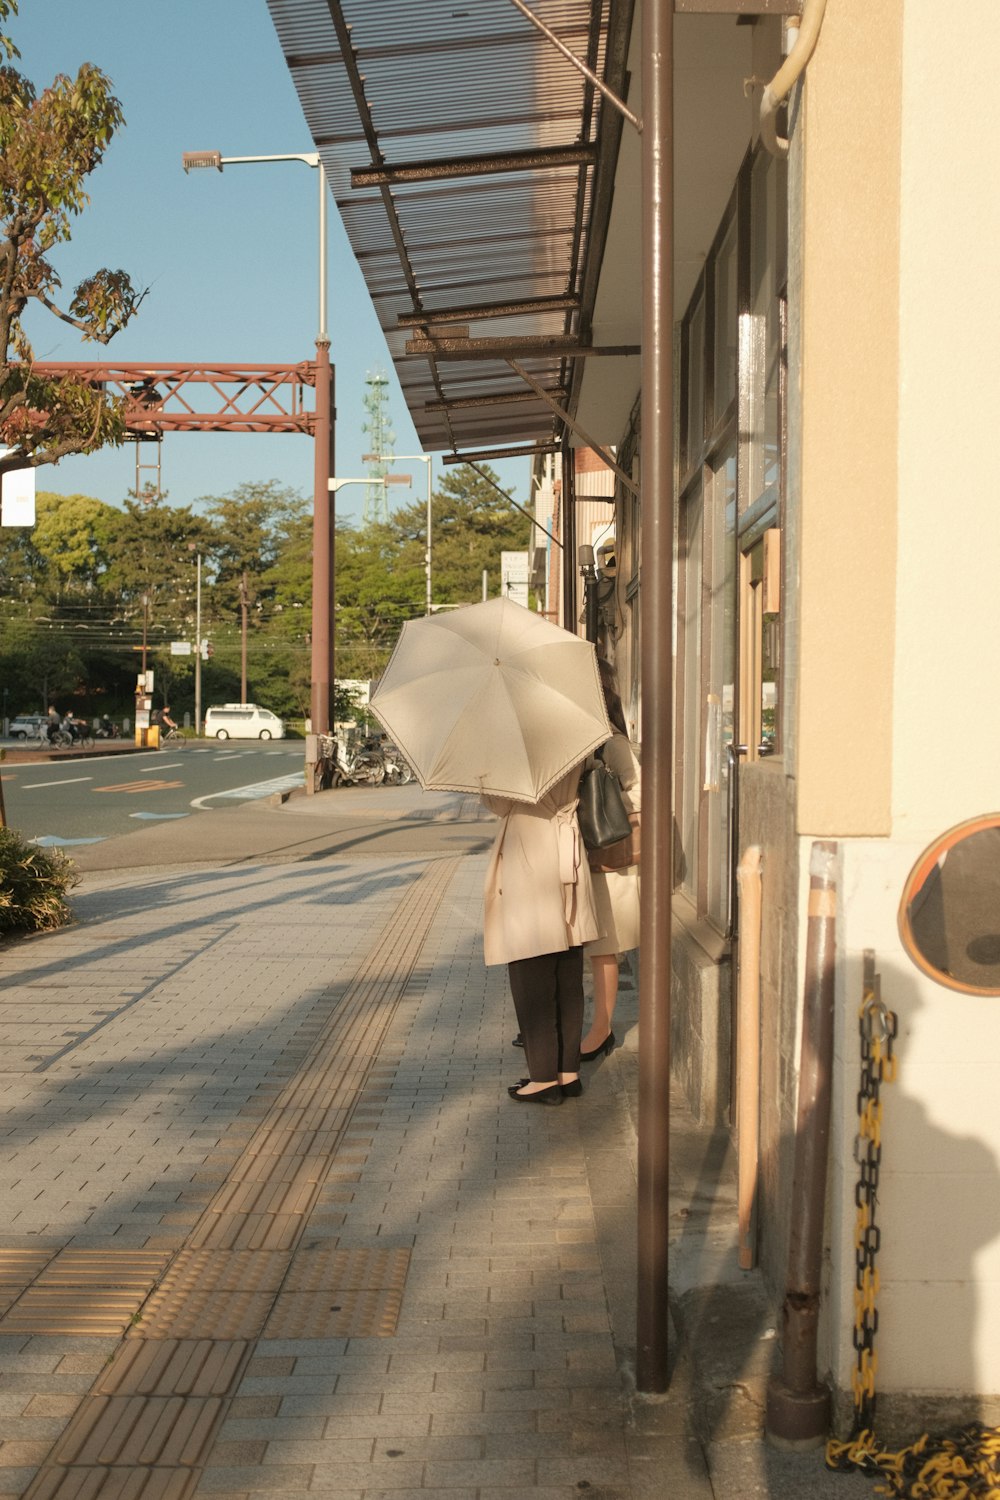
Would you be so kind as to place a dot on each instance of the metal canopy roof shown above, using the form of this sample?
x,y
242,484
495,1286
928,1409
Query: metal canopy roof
x,y
489,157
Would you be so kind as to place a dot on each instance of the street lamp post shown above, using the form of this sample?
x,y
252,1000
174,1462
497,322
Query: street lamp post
x,y
193,547
424,458
322,669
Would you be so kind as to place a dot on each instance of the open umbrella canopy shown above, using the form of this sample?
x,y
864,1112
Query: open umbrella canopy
x,y
492,698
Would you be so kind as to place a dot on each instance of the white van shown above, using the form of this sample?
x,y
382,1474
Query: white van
x,y
243,721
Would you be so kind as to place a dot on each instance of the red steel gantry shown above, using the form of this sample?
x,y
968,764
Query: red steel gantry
x,y
242,398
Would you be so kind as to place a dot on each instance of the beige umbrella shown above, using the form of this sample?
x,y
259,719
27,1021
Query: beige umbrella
x,y
492,698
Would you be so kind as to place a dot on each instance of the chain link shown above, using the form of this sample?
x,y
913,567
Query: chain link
x,y
963,1465
877,1027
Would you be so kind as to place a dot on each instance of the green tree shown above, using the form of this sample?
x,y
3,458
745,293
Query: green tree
x,y
472,525
49,145
250,527
379,585
75,535
24,572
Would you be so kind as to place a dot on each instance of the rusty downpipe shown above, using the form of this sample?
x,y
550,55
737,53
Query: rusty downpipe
x,y
748,878
656,666
798,1406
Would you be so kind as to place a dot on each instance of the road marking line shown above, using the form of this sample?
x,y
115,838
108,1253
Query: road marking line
x,y
140,786
68,782
255,790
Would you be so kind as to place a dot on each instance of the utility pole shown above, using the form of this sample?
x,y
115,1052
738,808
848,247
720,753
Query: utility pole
x,y
244,602
197,652
376,425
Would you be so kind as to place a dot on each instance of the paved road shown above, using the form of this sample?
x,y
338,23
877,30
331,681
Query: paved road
x,y
64,801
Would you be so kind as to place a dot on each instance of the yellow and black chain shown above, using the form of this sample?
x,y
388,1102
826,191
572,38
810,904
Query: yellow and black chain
x,y
963,1464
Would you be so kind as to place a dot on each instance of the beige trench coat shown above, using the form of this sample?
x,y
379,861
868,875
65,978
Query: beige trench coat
x,y
538,896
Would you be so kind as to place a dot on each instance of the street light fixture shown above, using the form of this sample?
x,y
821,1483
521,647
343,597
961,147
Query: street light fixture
x,y
424,458
338,484
323,669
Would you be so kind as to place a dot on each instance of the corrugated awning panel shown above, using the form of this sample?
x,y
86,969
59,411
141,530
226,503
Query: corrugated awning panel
x,y
392,82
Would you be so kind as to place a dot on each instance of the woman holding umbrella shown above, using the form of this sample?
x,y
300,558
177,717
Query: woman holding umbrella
x,y
494,699
539,911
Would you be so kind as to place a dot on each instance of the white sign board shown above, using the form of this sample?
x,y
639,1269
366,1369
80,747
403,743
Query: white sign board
x,y
17,496
180,648
514,577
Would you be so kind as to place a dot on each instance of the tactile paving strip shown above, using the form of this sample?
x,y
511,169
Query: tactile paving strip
x,y
84,1292
134,1269
57,1483
105,1312
175,1367
18,1268
175,1431
150,1419
335,1314
346,1270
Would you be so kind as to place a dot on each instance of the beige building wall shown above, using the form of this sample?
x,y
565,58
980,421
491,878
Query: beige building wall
x,y
939,1198
849,373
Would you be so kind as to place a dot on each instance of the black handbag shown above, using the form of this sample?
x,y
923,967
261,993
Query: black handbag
x,y
602,813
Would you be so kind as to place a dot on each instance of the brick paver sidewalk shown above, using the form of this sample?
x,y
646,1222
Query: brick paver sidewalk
x,y
270,1222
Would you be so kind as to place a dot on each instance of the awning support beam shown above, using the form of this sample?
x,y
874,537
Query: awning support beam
x,y
531,346
487,455
546,158
504,398
511,501
580,66
473,314
574,426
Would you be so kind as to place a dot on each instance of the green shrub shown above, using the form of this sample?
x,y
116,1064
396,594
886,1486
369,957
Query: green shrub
x,y
33,885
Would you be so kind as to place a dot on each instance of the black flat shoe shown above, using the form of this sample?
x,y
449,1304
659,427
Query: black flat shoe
x,y
518,1041
572,1090
551,1095
607,1046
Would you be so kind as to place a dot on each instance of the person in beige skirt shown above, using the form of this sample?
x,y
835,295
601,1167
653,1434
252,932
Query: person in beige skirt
x,y
616,892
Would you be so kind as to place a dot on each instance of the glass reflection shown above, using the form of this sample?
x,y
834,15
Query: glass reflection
x,y
950,914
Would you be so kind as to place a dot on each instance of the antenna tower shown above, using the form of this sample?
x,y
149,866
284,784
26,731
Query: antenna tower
x,y
380,440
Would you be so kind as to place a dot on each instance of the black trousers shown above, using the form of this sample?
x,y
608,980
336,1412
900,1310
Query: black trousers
x,y
548,1000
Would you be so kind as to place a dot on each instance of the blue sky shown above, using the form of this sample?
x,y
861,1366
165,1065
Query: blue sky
x,y
230,258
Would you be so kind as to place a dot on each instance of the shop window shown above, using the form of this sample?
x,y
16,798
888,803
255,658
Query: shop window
x,y
694,386
725,320
765,344
760,645
729,579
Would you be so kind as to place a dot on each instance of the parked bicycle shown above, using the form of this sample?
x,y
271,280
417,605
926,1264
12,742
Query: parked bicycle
x,y
326,773
398,771
362,767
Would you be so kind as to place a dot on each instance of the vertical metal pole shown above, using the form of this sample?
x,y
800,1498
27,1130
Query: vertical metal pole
x,y
244,603
323,669
797,1413
321,332
197,652
568,497
657,691
429,518
323,538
